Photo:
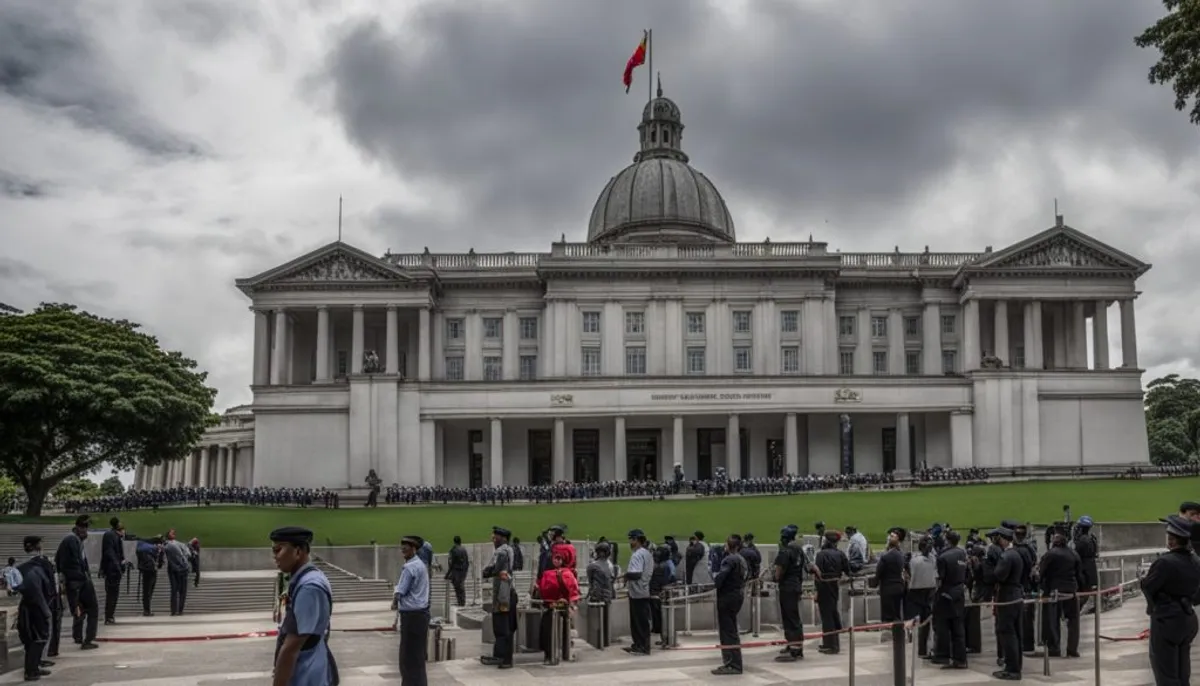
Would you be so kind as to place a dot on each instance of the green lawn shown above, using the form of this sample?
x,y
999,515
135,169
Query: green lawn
x,y
873,512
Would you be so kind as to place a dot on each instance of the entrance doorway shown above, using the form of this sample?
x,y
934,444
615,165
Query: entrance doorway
x,y
775,458
541,454
475,457
586,444
641,452
889,450
708,442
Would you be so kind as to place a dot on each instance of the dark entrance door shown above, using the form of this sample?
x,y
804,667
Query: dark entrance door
x,y
743,453
586,444
706,441
641,452
775,458
475,457
541,453
889,450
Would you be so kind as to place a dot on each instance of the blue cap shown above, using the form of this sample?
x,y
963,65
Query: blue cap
x,y
1085,521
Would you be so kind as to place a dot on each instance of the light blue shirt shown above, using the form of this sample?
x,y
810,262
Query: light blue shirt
x,y
311,609
412,591
12,577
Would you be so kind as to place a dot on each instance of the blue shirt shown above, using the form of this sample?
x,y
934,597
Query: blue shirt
x,y
310,606
12,577
412,591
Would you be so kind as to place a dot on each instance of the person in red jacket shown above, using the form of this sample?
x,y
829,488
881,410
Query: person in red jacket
x,y
559,545
559,589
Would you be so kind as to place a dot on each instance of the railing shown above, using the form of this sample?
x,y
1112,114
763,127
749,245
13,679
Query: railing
x,y
885,260
466,261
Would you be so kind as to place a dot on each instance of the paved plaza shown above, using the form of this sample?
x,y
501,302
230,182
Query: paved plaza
x,y
369,658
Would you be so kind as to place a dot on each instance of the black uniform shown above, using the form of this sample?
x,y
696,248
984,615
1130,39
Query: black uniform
x,y
459,565
949,608
889,577
1061,571
1010,570
81,594
1171,587
833,564
730,583
1028,551
112,563
34,615
791,560
1088,550
149,561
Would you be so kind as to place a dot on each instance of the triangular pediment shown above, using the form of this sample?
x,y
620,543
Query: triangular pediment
x,y
1061,248
333,264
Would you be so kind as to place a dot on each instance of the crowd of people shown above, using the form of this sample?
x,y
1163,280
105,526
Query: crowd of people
x,y
957,475
203,495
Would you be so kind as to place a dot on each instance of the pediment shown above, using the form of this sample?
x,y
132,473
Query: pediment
x,y
1061,249
335,264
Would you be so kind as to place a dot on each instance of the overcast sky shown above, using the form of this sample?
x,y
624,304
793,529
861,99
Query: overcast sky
x,y
152,152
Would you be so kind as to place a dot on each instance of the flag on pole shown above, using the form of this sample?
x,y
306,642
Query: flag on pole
x,y
636,60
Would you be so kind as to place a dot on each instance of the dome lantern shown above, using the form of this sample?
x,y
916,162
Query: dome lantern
x,y
661,130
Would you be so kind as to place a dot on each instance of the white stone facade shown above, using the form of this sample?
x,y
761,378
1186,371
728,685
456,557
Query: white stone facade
x,y
518,368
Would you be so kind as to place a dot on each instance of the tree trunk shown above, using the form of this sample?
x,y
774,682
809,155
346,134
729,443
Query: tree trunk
x,y
36,494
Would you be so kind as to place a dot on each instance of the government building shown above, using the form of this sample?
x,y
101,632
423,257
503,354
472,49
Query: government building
x,y
663,341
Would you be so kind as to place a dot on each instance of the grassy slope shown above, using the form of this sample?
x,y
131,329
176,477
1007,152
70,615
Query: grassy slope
x,y
874,512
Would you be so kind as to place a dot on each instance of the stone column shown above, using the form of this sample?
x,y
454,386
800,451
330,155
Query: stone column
x,y
895,341
424,346
830,331
1100,336
222,459
863,360
497,450
137,477
931,339
392,354
1000,347
904,457
473,355
1033,341
677,440
429,452
791,444
262,348
510,342
547,333
970,336
1058,325
1078,336
357,336
231,466
558,462
279,354
323,375
620,458
1129,351
203,476
733,449
962,439
189,469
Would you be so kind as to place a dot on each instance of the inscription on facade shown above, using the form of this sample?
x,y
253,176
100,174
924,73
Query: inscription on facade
x,y
562,400
847,395
708,397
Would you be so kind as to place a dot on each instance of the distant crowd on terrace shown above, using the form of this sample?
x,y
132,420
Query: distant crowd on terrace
x,y
202,495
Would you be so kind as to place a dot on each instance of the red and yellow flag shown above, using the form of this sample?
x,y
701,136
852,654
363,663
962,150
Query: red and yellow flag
x,y
636,60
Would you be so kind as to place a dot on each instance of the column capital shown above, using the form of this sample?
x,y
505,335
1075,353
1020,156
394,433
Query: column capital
x,y
732,415
495,419
393,307
791,415
677,417
963,411
358,307
322,308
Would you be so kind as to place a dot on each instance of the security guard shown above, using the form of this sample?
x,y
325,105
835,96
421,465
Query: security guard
x,y
949,611
1027,547
1010,570
1172,589
34,616
1088,549
1061,573
730,583
833,566
789,576
504,600
302,656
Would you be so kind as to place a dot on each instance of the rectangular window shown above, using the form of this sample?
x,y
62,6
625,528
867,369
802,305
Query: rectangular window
x,y
528,367
789,321
590,361
741,321
493,328
635,323
743,360
912,327
456,329
948,361
695,360
879,327
789,360
343,363
529,328
635,360
912,363
948,324
454,368
1019,357
846,362
879,362
493,368
695,323
591,322
846,326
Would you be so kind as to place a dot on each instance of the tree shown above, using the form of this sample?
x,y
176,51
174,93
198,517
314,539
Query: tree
x,y
1173,419
1177,37
112,486
78,488
78,391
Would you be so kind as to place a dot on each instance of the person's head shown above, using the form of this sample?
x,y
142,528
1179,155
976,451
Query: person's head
x,y
194,544
734,543
602,551
699,535
925,545
637,539
1058,541
409,545
896,536
748,539
558,560
1179,532
1190,510
170,534
13,561
952,538
500,535
458,540
1084,524
115,523
1020,532
82,523
851,530
830,539
787,534
516,540
1002,537
290,547
558,533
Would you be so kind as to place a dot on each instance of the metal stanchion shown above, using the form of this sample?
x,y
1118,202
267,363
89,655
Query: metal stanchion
x,y
555,638
755,608
669,620
850,640
376,547
912,666
687,612
563,617
1096,639
1042,629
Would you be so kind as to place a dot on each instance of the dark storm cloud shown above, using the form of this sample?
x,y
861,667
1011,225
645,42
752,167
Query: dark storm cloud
x,y
227,240
20,276
206,22
802,112
16,186
49,60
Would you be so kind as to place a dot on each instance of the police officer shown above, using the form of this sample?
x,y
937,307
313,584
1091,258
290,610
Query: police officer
x,y
833,566
637,580
922,581
789,577
1061,572
112,565
1088,549
34,615
1027,547
949,611
730,583
71,562
459,563
753,558
504,600
1172,589
302,656
1010,595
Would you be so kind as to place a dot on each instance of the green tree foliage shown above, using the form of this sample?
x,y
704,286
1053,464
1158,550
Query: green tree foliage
x,y
1177,38
79,391
8,491
112,486
1173,419
79,488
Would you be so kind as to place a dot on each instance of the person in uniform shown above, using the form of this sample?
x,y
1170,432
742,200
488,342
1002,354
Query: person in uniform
x,y
1010,570
918,598
504,600
34,616
600,587
730,584
412,604
302,656
789,576
149,561
1088,549
1172,589
459,564
1061,572
71,562
890,573
949,611
1027,548
637,580
833,566
112,564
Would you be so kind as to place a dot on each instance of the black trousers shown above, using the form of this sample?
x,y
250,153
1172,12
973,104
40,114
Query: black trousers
x,y
640,612
891,609
1028,621
549,617
1053,615
727,629
179,585
828,598
918,604
33,634
149,581
504,626
457,579
414,639
975,629
1008,635
789,613
55,629
656,616
112,591
82,594
1171,649
949,621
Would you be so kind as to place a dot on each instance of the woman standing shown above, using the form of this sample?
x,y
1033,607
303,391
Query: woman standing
x,y
560,593
1172,589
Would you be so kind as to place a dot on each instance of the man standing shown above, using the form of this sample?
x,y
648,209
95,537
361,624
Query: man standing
x,y
856,550
789,575
1010,570
302,656
72,564
34,616
890,573
412,602
1060,571
1088,549
504,600
459,563
918,599
833,566
637,581
949,611
730,582
112,564
1027,547
179,564
149,561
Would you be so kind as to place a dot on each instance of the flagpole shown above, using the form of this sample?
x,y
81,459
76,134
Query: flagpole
x,y
649,66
